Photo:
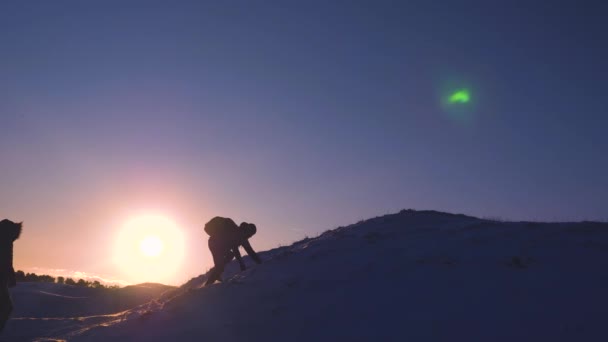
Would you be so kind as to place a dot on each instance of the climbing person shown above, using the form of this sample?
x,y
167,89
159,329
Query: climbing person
x,y
225,238
9,232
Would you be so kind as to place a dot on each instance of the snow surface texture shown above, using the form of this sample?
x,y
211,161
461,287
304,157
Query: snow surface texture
x,y
411,276
49,309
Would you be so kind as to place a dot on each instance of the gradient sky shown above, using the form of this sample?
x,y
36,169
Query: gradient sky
x,y
297,116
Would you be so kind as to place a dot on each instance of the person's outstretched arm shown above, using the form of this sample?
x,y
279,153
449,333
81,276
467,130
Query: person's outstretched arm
x,y
251,252
237,255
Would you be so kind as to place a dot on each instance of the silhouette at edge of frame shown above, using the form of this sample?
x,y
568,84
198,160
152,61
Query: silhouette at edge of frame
x,y
225,238
9,232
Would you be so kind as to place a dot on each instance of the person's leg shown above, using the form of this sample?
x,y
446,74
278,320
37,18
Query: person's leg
x,y
227,258
6,305
218,261
213,276
218,269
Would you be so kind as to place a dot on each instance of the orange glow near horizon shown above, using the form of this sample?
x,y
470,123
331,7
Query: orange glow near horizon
x,y
149,248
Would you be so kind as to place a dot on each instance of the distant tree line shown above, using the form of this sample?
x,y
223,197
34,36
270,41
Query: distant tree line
x,y
23,277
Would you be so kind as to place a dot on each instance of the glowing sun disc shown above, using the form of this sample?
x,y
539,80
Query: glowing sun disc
x,y
149,248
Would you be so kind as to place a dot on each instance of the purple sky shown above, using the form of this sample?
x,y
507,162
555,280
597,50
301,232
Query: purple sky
x,y
298,116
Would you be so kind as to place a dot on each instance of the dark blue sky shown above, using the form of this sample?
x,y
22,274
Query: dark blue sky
x,y
300,115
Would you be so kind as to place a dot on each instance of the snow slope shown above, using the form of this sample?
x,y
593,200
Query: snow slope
x,y
411,276
45,309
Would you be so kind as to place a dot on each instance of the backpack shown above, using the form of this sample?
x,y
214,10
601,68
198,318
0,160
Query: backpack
x,y
220,226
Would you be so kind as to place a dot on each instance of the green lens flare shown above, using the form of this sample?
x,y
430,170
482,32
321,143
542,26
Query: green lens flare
x,y
458,99
460,96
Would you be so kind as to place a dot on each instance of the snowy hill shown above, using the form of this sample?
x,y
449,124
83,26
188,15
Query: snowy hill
x,y
411,276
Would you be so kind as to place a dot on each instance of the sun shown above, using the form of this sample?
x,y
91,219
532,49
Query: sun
x,y
149,248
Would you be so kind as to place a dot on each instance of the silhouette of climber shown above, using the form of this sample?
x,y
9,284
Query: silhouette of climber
x,y
9,232
224,242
